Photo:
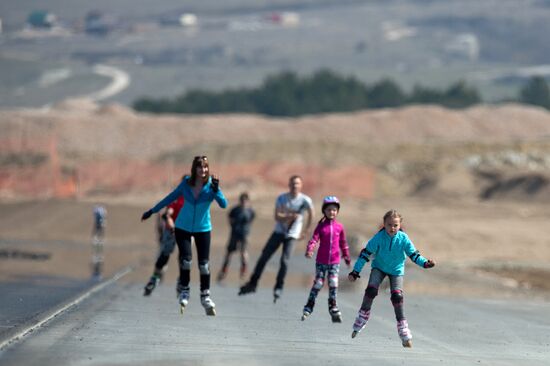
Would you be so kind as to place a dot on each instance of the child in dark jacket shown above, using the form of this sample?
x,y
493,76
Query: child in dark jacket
x,y
240,219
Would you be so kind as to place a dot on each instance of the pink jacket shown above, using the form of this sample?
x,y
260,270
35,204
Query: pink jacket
x,y
330,236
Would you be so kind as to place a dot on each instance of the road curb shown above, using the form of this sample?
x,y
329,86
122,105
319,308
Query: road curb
x,y
49,315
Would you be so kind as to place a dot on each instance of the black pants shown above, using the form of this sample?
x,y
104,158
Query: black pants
x,y
273,243
237,241
202,242
167,244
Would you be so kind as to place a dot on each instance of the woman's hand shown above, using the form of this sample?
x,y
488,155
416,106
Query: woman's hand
x,y
146,215
215,183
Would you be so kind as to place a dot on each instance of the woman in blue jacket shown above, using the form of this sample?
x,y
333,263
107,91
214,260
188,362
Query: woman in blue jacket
x,y
193,221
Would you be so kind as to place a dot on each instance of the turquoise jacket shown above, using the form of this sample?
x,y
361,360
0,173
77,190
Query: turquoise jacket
x,y
194,216
390,253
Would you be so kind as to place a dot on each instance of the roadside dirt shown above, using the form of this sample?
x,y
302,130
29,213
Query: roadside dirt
x,y
488,250
472,185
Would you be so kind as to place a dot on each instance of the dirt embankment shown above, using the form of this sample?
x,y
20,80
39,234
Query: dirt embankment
x,y
472,184
80,149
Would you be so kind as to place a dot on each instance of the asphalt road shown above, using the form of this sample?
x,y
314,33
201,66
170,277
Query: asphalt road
x,y
24,302
118,326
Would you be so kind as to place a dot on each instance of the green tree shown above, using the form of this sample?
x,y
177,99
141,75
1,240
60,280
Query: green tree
x,y
279,95
536,92
460,95
287,94
424,95
325,91
151,105
385,93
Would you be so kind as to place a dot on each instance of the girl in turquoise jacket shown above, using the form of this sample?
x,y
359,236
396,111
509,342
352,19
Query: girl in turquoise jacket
x,y
193,221
391,247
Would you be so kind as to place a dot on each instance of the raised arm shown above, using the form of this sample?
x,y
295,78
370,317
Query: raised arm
x,y
220,199
171,197
218,194
416,257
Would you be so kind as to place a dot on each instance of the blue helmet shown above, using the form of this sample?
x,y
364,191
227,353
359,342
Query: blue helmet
x,y
330,200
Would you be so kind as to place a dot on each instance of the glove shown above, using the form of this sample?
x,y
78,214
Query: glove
x,y
347,261
146,215
354,274
215,184
429,264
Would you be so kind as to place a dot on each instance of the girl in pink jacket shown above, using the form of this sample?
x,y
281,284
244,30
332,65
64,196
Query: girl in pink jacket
x,y
331,238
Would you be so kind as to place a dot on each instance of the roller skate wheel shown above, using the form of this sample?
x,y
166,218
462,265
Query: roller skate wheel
x,y
336,318
211,311
408,343
354,334
277,294
247,289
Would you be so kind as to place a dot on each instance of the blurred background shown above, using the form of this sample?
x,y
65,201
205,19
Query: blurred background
x,y
436,108
164,48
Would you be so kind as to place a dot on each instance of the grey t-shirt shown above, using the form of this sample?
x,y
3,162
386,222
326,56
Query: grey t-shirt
x,y
298,204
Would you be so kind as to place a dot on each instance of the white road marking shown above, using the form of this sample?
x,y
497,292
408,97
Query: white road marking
x,y
120,81
49,316
55,76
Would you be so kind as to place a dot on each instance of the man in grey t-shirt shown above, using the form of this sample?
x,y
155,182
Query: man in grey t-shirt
x,y
290,209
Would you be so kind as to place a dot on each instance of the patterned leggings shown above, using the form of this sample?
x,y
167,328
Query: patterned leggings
x,y
323,271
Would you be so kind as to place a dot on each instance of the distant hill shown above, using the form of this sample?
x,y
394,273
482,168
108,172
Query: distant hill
x,y
79,148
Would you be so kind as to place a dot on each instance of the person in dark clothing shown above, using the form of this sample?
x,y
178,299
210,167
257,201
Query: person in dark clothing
x,y
98,240
168,243
240,219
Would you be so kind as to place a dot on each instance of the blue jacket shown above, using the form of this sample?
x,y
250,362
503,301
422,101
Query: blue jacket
x,y
194,216
390,253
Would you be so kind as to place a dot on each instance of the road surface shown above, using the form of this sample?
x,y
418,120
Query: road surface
x,y
119,81
118,326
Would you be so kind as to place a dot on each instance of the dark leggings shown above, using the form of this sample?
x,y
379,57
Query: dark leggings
x,y
202,242
167,244
273,243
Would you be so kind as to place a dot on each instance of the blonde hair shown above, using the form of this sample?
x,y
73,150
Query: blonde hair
x,y
392,214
